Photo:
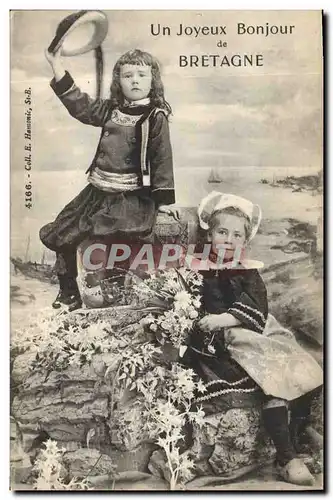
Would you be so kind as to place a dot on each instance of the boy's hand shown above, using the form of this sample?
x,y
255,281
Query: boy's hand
x,y
53,57
170,210
55,60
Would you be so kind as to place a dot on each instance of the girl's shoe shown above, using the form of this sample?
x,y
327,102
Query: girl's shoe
x,y
296,472
72,300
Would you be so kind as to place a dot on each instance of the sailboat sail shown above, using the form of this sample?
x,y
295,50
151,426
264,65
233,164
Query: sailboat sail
x,y
27,249
214,176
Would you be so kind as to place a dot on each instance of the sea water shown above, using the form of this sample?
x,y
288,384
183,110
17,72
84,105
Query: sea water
x,y
52,190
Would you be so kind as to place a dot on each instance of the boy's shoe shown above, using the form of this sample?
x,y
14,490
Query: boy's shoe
x,y
73,300
296,472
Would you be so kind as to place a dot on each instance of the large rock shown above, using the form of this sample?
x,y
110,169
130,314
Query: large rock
x,y
230,444
75,408
101,288
237,438
86,461
126,426
66,406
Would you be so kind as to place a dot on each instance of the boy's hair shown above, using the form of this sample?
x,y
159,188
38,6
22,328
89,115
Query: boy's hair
x,y
138,57
215,219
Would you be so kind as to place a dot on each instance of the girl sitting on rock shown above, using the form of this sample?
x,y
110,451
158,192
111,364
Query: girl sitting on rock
x,y
237,346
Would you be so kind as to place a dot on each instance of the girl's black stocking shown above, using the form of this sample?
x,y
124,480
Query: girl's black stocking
x,y
301,416
276,424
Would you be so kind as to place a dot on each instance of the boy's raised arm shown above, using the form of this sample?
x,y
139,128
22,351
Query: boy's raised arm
x,y
79,104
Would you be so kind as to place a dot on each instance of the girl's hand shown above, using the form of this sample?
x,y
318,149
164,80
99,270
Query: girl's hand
x,y
170,210
212,322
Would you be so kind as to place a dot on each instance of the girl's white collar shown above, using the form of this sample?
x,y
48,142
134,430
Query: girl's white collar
x,y
140,102
197,264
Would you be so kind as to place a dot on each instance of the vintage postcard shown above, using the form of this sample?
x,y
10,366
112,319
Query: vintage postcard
x,y
166,250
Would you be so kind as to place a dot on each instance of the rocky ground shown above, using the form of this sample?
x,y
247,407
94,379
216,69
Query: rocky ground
x,y
30,297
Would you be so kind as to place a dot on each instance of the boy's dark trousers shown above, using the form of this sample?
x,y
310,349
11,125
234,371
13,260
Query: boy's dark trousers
x,y
66,263
66,269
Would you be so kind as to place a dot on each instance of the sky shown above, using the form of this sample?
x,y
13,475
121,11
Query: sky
x,y
263,116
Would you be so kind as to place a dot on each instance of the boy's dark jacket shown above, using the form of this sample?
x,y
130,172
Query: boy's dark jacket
x,y
122,147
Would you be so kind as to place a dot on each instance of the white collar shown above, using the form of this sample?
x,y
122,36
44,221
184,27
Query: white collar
x,y
196,264
139,102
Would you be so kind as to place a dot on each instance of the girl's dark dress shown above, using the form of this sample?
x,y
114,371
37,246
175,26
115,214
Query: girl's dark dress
x,y
241,293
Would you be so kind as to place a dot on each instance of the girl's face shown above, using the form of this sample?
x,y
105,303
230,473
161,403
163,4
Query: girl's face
x,y
135,81
228,234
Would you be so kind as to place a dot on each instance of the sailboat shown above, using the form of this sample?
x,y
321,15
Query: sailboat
x,y
214,177
274,182
41,271
27,249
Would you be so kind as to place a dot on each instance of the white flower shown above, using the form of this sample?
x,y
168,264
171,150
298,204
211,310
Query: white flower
x,y
211,349
171,285
201,386
94,330
187,462
194,314
185,323
153,327
162,442
199,417
166,325
182,300
197,282
147,320
152,274
196,302
51,447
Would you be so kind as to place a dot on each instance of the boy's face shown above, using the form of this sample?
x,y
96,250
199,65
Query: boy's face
x,y
135,81
228,233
